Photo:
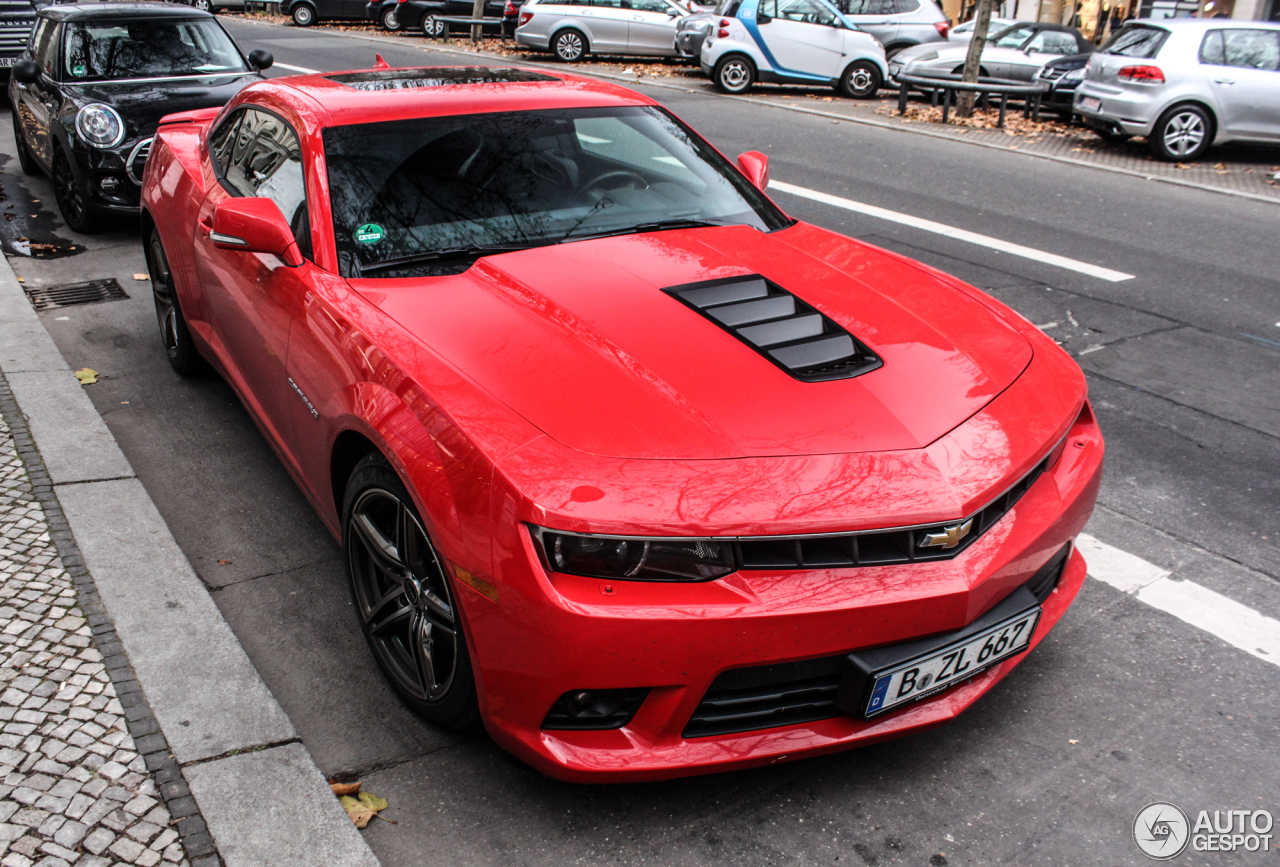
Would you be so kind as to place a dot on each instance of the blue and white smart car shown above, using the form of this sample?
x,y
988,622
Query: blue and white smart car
x,y
792,42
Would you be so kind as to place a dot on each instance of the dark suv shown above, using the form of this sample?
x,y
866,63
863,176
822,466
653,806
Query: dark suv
x,y
88,95
425,15
16,20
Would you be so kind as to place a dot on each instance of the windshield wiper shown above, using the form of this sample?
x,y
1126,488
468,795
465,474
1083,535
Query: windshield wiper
x,y
472,251
638,228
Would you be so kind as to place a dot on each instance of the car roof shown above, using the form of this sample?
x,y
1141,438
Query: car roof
x,y
1201,23
117,11
375,95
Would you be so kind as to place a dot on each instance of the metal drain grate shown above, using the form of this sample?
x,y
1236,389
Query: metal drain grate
x,y
73,294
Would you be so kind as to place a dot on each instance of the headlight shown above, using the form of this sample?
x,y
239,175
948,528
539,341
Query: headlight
x,y
630,558
100,126
1074,74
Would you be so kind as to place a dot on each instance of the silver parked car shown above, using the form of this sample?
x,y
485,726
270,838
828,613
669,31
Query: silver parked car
x,y
1015,53
1185,84
964,32
692,30
898,24
571,29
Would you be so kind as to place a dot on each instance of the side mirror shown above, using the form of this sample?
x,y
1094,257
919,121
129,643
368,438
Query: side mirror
x,y
26,71
261,59
755,166
254,225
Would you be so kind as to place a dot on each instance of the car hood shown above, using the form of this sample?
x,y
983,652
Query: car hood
x,y
581,340
142,103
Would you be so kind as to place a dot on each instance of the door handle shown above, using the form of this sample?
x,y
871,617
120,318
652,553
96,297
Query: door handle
x,y
206,226
1224,81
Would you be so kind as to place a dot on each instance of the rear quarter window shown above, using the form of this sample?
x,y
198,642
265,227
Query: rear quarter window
x,y
1144,42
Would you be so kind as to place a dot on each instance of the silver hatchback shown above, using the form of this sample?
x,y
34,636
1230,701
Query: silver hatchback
x,y
1185,84
898,24
571,29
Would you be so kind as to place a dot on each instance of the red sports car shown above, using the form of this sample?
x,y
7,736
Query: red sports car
x,y
627,463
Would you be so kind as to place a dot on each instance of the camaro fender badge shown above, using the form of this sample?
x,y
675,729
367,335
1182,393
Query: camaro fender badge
x,y
947,537
304,398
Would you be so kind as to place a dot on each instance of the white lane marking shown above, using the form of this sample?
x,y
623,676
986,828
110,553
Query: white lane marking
x,y
301,69
1236,624
952,232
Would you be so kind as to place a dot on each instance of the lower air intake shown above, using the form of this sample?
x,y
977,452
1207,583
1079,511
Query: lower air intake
x,y
789,333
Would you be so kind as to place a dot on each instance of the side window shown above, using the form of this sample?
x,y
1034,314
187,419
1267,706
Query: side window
x,y
806,12
1252,49
266,160
44,48
1211,51
768,9
648,6
906,6
1053,42
220,141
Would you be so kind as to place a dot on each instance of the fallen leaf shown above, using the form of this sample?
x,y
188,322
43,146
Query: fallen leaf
x,y
1183,165
341,789
22,279
224,562
1073,741
1219,165
359,813
144,277
373,802
87,376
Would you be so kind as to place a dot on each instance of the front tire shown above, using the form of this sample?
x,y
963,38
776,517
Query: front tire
x,y
303,15
390,20
28,162
734,74
569,46
404,598
74,206
433,28
183,357
1184,132
861,80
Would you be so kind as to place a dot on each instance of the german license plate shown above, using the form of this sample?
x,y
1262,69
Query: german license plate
x,y
1090,103
927,675
8,61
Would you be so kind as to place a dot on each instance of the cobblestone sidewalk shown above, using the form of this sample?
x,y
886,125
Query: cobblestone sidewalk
x,y
73,787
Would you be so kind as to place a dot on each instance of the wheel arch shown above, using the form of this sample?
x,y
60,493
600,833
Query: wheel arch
x,y
1214,123
349,448
576,27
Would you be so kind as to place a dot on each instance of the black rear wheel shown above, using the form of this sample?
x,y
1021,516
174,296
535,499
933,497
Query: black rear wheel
x,y
433,27
861,80
404,598
182,353
1184,132
734,73
391,19
569,46
76,211
303,15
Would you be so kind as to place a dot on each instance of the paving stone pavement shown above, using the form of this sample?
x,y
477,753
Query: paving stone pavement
x,y
74,789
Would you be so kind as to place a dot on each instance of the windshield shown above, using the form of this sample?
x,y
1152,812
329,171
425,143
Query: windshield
x,y
1135,41
1012,37
405,193
148,48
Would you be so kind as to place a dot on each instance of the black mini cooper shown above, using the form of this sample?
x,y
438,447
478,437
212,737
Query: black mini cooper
x,y
92,86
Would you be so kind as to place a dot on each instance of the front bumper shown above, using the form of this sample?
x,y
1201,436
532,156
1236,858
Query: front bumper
x,y
547,634
92,167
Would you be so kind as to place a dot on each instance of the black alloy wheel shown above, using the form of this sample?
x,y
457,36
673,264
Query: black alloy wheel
x,y
861,80
76,212
403,598
303,15
433,27
182,353
390,20
569,46
734,73
25,159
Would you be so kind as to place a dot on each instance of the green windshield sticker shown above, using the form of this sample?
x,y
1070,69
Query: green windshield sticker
x,y
369,233
77,70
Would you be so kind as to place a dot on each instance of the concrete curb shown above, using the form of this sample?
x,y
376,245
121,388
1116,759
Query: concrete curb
x,y
879,124
208,705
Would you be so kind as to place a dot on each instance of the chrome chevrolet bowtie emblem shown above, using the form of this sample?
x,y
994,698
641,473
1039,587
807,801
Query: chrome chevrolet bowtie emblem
x,y
947,537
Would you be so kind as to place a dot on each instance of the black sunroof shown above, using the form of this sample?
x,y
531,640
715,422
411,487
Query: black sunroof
x,y
438,76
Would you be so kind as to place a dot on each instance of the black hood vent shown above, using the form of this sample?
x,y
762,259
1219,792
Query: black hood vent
x,y
788,332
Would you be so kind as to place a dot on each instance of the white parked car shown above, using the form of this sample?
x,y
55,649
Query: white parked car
x,y
571,29
1185,84
793,42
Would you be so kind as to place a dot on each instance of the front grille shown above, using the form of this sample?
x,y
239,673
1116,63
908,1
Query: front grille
x,y
877,547
1051,73
73,294
12,41
749,699
790,693
791,334
136,163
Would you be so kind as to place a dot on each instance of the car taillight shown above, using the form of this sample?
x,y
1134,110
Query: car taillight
x,y
509,9
943,27
525,18
724,22
1150,74
722,33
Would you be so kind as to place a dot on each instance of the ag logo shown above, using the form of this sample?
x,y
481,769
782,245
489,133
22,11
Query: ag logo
x,y
1161,831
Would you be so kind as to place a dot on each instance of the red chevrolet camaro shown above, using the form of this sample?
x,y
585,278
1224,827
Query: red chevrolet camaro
x,y
625,462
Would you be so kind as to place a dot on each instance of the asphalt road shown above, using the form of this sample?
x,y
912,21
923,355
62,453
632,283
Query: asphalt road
x,y
1121,706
